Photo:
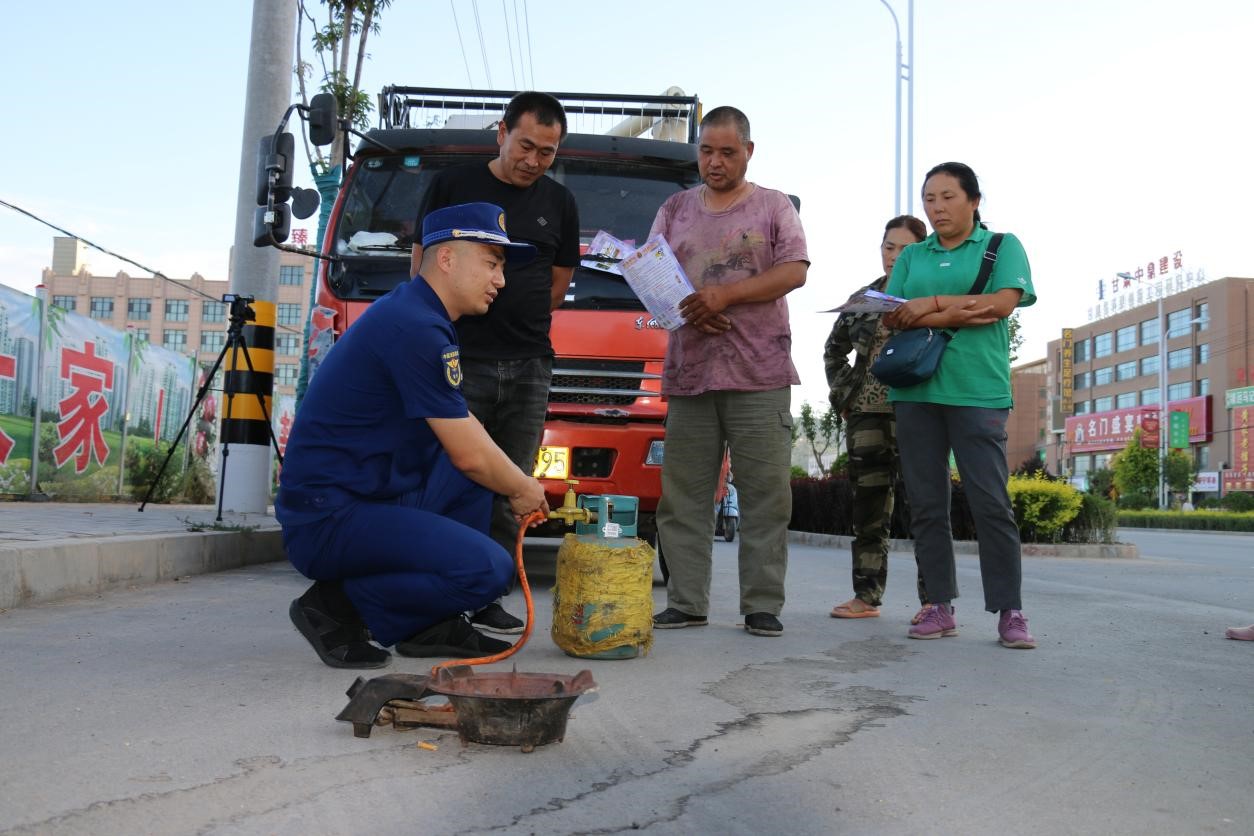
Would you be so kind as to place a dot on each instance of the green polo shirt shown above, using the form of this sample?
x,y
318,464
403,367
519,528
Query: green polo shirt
x,y
975,369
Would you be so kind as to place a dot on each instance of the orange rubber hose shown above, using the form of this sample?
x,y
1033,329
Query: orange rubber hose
x,y
534,516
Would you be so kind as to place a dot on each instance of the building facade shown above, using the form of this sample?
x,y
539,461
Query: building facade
x,y
1104,379
1026,436
183,315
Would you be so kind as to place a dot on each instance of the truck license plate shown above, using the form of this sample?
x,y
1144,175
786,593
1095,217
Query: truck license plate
x,y
552,463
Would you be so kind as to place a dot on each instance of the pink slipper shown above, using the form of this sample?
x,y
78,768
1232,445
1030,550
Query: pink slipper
x,y
1245,634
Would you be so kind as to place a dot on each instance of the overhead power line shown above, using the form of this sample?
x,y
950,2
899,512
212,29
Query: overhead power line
x,y
469,80
156,273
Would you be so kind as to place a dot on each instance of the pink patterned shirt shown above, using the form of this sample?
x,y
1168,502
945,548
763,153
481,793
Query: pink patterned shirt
x,y
756,234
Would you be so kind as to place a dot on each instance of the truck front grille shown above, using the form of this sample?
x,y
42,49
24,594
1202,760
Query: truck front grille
x,y
611,382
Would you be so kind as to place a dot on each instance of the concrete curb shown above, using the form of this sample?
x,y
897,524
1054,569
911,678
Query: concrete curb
x,y
48,570
1083,550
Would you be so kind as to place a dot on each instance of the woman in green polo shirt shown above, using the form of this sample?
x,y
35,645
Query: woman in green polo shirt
x,y
964,406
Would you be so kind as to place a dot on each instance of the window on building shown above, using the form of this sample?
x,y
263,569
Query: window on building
x,y
287,344
142,333
1203,353
1103,404
1203,386
1149,365
1125,371
1125,399
1179,359
1178,323
1104,375
1203,458
1082,381
1179,391
1080,351
65,303
139,309
1202,314
1125,338
1082,465
1102,461
213,312
174,339
1149,332
212,340
1149,397
285,374
102,307
291,274
176,310
1102,345
289,313
1081,408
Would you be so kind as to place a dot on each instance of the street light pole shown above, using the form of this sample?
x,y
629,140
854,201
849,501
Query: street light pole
x,y
903,71
1164,413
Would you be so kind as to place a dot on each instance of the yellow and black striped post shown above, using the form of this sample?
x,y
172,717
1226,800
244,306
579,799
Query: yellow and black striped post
x,y
243,420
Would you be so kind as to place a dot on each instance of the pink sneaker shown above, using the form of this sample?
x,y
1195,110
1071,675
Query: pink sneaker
x,y
1245,634
937,623
1012,627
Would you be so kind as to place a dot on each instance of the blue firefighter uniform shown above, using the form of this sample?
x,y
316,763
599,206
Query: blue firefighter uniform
x,y
368,496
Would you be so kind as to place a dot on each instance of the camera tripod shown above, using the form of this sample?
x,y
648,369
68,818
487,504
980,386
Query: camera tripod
x,y
240,314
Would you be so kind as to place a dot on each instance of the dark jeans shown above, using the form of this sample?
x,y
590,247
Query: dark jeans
x,y
509,397
926,432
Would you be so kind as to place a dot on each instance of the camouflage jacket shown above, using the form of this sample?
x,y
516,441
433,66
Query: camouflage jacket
x,y
851,387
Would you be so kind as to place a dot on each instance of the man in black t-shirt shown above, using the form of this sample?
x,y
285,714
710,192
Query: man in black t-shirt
x,y
506,355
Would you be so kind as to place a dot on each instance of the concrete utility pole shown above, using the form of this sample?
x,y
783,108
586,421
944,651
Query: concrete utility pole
x,y
244,485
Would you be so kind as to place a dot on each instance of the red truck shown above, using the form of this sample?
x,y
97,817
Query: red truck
x,y
604,425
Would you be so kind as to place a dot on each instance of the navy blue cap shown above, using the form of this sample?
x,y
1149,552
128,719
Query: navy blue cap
x,y
479,223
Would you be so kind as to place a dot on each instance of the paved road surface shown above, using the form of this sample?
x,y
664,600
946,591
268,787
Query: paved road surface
x,y
193,707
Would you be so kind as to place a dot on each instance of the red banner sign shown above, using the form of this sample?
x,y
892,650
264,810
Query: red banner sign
x,y
1102,431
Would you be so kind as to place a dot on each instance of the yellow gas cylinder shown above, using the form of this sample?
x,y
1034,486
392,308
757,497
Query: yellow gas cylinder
x,y
603,597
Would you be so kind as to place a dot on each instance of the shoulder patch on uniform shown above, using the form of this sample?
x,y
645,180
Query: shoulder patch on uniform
x,y
451,359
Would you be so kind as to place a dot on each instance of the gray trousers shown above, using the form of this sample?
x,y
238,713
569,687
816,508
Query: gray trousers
x,y
926,432
757,426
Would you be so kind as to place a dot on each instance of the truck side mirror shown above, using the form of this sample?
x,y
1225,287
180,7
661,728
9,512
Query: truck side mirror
x,y
322,119
274,168
266,220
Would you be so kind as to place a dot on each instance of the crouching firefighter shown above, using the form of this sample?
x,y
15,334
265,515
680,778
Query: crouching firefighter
x,y
386,492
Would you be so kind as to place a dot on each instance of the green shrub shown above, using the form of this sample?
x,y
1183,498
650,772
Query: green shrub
x,y
1095,523
1237,501
798,472
1194,520
1042,507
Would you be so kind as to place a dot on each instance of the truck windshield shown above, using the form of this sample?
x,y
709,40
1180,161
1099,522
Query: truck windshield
x,y
381,207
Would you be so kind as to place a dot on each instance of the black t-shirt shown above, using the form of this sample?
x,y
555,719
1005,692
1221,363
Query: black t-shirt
x,y
516,327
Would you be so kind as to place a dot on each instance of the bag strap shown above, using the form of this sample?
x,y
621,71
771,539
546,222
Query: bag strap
x,y
986,264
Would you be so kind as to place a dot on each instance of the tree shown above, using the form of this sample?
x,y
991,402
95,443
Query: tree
x,y
1016,335
333,44
1178,468
822,433
348,21
1136,472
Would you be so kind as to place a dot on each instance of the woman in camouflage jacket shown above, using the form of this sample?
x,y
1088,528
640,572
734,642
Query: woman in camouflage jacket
x,y
870,431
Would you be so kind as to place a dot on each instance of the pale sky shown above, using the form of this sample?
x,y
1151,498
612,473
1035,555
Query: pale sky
x,y
1106,133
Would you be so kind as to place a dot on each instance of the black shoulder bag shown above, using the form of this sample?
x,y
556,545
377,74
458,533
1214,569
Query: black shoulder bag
x,y
914,355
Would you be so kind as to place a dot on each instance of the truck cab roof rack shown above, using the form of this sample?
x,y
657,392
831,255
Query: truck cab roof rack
x,y
672,115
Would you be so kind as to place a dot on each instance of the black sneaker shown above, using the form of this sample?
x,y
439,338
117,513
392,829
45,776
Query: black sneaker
x,y
454,638
763,624
495,619
672,619
341,641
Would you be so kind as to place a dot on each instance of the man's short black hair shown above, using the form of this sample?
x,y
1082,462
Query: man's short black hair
x,y
546,109
728,115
